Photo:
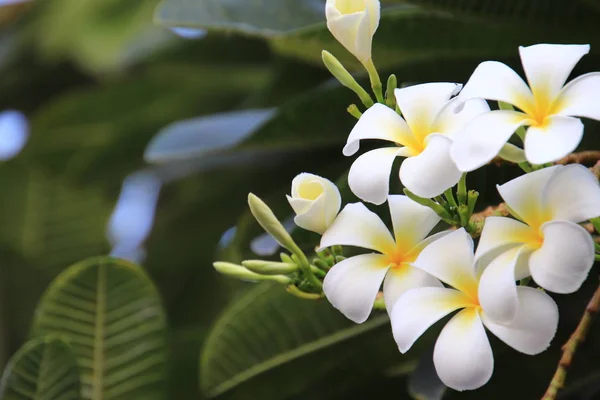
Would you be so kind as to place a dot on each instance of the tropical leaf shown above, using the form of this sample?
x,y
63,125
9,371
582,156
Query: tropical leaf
x,y
43,369
267,18
112,315
269,344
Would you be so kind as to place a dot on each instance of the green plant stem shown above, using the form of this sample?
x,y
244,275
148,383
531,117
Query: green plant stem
x,y
375,81
450,198
439,210
462,189
526,167
569,349
354,111
390,97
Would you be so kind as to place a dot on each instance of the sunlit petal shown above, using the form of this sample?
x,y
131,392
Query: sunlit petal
x,y
573,194
420,104
357,226
412,222
432,172
497,286
449,122
524,194
369,176
493,80
418,309
450,259
499,232
463,356
547,66
535,325
580,97
352,285
379,122
402,278
564,261
558,137
483,138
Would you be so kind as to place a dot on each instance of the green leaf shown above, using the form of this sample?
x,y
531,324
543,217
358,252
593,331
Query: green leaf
x,y
410,34
265,18
112,315
271,344
43,369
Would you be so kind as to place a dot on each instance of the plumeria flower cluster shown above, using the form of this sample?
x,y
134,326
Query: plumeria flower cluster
x,y
493,271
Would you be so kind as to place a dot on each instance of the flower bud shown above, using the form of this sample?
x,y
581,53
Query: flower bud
x,y
239,272
269,267
353,23
316,202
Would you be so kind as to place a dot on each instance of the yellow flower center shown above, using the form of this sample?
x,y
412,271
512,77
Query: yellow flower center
x,y
544,106
310,190
350,6
401,258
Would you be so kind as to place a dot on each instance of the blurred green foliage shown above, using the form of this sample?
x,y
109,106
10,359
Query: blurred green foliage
x,y
98,79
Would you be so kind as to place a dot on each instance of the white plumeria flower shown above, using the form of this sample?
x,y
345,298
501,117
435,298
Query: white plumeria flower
x,y
316,202
462,355
548,244
423,136
547,106
353,23
352,285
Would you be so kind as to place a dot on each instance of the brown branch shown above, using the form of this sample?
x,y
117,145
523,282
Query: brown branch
x,y
583,157
558,380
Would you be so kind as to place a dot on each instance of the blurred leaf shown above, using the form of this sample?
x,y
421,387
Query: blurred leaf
x,y
204,135
185,344
101,35
409,34
269,344
111,314
424,383
49,221
43,369
265,18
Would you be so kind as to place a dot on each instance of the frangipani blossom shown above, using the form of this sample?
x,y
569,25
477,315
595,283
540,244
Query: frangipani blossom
x,y
548,244
315,200
424,136
547,106
352,284
353,23
462,355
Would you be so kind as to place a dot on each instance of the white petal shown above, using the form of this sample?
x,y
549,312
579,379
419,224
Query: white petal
x,y
345,28
412,222
463,356
432,172
500,232
357,226
315,200
379,122
497,287
548,66
580,97
512,153
420,104
534,328
558,137
449,122
450,259
573,194
564,261
418,309
403,278
352,285
483,138
369,176
524,194
493,80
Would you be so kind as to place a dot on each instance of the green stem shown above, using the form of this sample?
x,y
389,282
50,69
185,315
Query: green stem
x,y
375,81
354,111
390,97
462,189
439,210
450,197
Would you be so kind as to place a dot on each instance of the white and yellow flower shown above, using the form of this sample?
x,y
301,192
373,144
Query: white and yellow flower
x,y
462,355
352,285
316,202
547,106
353,23
424,136
548,244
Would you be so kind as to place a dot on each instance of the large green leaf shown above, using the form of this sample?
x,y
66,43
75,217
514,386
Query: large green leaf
x,y
409,34
112,315
264,18
43,369
269,344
